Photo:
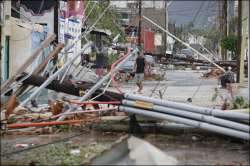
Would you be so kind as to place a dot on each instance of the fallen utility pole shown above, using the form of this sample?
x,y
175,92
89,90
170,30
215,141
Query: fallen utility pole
x,y
191,115
205,48
87,45
184,43
41,66
190,108
100,83
52,77
34,55
232,63
190,122
70,88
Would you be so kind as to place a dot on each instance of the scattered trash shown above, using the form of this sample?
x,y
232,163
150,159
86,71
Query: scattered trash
x,y
213,73
194,138
56,107
75,151
22,145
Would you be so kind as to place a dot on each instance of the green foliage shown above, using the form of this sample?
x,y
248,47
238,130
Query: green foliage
x,y
240,103
230,43
112,58
111,19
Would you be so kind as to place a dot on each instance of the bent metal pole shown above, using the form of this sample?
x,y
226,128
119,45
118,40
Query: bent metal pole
x,y
100,82
191,108
197,116
53,76
184,43
202,125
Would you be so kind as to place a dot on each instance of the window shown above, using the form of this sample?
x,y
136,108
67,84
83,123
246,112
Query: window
x,y
124,15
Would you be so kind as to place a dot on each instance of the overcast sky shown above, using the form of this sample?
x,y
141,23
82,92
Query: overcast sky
x,y
183,12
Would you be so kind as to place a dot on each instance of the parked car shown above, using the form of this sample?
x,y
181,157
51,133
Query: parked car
x,y
189,54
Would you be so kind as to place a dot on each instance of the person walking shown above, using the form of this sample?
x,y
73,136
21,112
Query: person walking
x,y
139,68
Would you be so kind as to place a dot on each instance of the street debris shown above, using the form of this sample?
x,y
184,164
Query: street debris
x,y
133,151
75,151
85,79
213,73
21,145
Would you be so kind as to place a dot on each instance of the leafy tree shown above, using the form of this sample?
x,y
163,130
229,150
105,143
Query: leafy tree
x,y
111,19
230,43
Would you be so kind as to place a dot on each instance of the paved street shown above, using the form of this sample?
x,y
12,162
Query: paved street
x,y
179,85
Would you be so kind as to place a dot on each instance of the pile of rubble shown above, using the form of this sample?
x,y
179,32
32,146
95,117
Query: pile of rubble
x,y
213,73
19,93
18,117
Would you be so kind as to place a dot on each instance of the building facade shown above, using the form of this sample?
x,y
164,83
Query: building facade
x,y
154,10
24,27
70,24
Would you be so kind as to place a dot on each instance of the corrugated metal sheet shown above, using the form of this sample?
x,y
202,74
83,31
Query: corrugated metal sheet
x,y
149,41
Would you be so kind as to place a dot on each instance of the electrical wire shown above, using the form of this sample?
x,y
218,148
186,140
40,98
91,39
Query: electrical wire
x,y
85,19
158,83
198,11
41,6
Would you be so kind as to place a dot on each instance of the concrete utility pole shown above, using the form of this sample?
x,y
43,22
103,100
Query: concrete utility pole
x,y
167,3
184,43
239,39
166,35
139,27
248,51
56,11
243,20
224,27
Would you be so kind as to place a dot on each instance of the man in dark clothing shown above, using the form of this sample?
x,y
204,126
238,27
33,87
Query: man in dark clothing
x,y
139,68
227,78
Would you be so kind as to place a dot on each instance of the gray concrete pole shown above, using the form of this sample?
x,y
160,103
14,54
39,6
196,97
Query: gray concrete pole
x,y
192,115
166,26
100,83
52,77
202,125
167,20
248,51
188,107
184,43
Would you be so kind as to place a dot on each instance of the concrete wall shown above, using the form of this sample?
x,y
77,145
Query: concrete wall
x,y
6,31
20,47
47,18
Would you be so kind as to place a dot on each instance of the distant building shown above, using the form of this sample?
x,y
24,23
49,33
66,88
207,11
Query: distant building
x,y
154,10
70,24
24,26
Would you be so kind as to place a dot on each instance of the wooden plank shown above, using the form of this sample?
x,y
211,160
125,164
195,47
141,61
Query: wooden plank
x,y
34,55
